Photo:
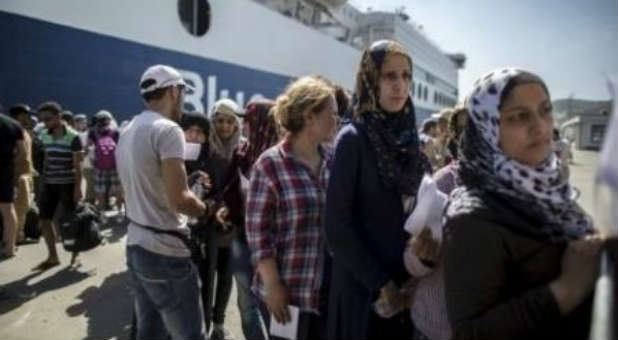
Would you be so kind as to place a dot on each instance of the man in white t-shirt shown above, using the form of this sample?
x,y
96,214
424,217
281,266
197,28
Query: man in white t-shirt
x,y
150,163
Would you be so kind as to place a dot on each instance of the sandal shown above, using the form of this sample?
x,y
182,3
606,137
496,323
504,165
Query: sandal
x,y
45,265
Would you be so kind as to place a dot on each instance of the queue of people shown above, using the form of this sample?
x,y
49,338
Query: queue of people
x,y
302,200
59,146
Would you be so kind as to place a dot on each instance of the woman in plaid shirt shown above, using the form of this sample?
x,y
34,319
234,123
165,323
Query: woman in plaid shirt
x,y
285,207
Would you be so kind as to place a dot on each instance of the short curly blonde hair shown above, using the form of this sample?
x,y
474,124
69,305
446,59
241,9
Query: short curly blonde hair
x,y
306,93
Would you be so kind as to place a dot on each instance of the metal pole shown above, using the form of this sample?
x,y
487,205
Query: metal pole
x,y
603,325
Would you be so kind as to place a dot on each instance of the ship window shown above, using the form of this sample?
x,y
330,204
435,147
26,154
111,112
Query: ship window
x,y
194,16
420,91
425,93
435,97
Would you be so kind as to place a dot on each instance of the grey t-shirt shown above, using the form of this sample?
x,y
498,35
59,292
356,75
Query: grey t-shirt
x,y
149,139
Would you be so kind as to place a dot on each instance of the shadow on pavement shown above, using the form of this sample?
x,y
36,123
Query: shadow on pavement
x,y
108,308
19,292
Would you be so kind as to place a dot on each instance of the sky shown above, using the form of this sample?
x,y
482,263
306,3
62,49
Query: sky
x,y
571,44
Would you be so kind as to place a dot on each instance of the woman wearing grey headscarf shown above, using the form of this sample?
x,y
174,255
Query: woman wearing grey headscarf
x,y
223,138
226,128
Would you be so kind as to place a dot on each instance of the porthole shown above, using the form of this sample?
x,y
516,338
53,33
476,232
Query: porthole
x,y
194,16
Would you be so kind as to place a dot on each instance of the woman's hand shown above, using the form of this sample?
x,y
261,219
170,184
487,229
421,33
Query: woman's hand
x,y
275,292
391,301
276,299
223,215
580,266
425,247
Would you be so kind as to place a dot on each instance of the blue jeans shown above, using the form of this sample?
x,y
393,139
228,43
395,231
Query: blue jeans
x,y
167,296
247,302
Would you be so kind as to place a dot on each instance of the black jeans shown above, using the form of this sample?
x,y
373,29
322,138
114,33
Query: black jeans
x,y
215,264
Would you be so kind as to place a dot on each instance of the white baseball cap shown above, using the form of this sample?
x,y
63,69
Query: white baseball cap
x,y
160,76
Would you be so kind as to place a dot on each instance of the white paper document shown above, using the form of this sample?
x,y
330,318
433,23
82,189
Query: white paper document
x,y
290,329
192,151
428,212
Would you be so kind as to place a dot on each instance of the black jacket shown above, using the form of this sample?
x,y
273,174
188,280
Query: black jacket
x,y
364,232
497,280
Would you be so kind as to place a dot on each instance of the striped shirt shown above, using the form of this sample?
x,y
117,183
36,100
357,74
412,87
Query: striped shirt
x,y
284,221
58,167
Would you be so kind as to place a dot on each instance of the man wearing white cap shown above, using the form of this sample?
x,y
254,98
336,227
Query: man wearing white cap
x,y
150,162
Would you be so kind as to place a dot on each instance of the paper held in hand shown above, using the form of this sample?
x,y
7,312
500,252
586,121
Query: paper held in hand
x,y
192,151
290,329
428,211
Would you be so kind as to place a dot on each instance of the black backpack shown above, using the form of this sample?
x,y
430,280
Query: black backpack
x,y
80,231
38,154
31,226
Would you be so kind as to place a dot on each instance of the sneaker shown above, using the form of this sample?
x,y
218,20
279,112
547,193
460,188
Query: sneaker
x,y
220,333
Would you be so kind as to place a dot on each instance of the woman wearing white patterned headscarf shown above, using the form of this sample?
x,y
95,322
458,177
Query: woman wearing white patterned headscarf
x,y
520,261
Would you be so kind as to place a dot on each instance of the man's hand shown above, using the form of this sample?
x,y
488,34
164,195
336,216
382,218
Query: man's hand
x,y
181,199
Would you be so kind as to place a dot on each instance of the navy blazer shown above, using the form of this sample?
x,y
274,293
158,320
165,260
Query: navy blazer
x,y
364,231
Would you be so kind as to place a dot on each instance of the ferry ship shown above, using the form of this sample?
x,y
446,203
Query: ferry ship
x,y
89,55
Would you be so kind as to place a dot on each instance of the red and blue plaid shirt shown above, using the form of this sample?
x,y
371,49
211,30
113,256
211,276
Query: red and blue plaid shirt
x,y
284,221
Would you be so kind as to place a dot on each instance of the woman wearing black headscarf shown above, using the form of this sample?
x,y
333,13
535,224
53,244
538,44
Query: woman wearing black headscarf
x,y
377,169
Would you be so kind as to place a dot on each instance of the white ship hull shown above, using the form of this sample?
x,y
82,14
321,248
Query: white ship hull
x,y
89,55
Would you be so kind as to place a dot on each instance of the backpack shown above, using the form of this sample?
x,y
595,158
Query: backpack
x,y
104,149
38,154
31,226
80,231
